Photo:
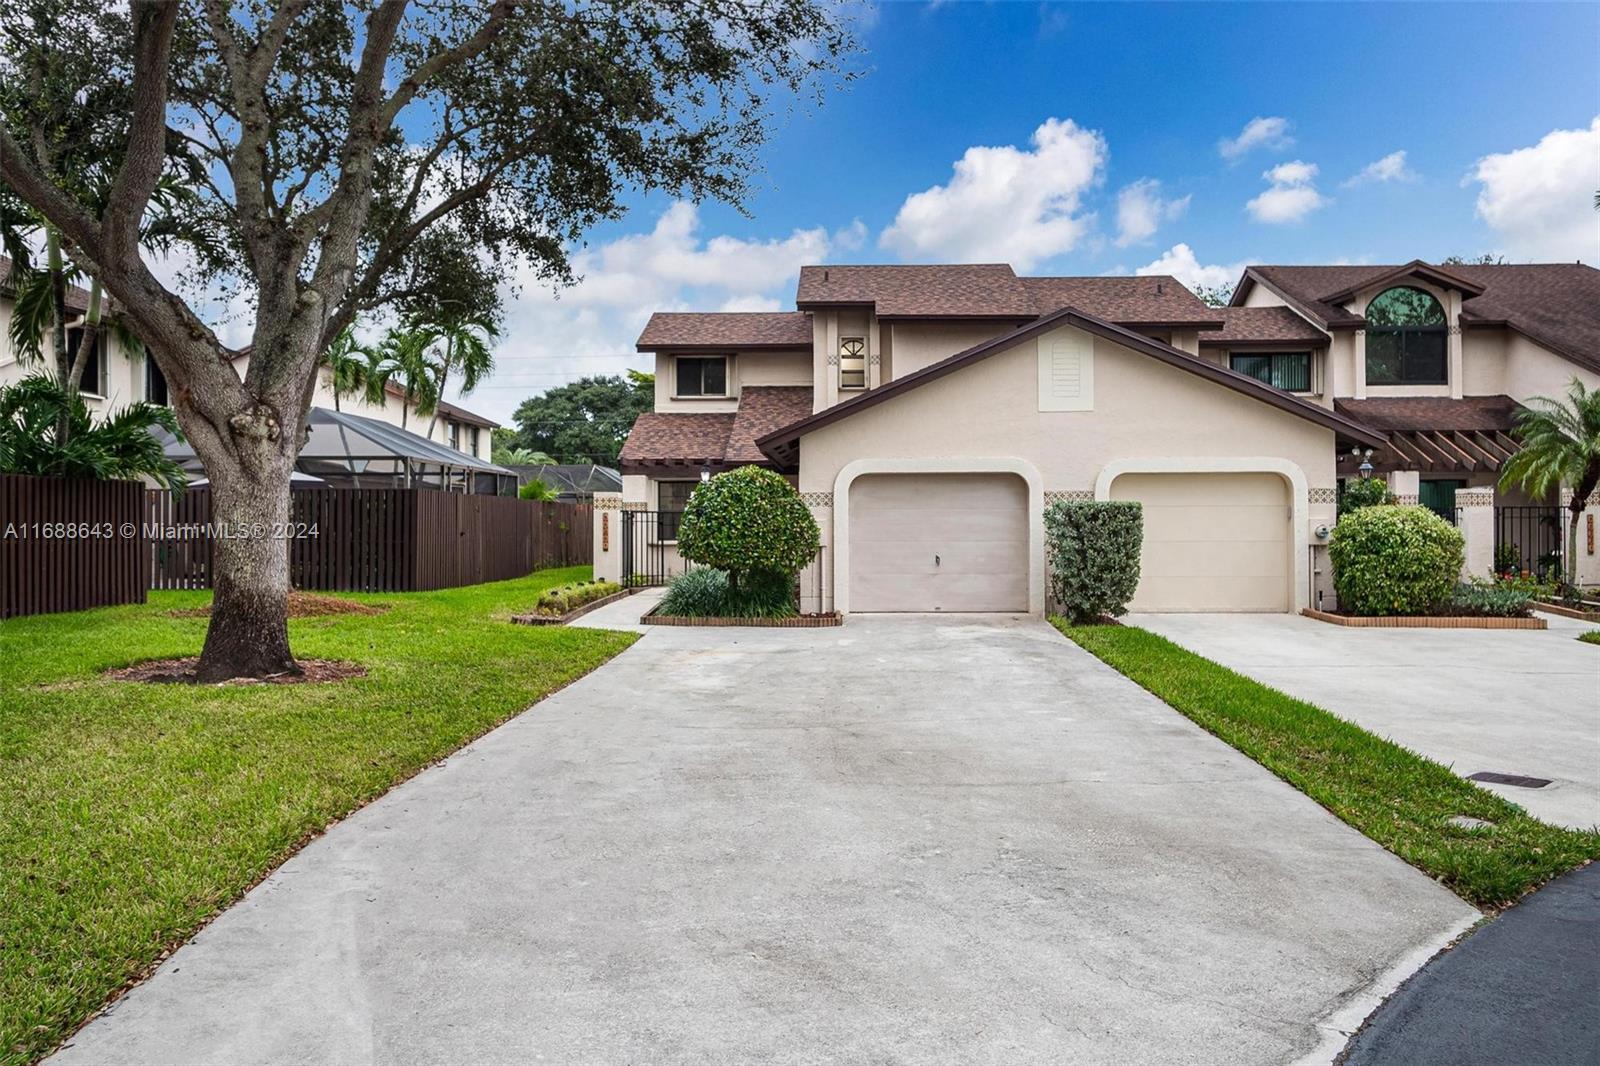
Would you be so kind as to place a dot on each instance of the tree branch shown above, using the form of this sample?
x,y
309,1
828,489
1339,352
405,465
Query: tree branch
x,y
153,23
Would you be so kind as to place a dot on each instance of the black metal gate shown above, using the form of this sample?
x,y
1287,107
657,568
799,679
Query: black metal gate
x,y
1534,534
650,547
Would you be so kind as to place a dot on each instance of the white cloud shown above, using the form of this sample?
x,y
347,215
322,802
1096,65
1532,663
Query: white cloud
x,y
554,337
1391,167
1181,262
1270,131
1141,210
1540,200
1004,203
1290,196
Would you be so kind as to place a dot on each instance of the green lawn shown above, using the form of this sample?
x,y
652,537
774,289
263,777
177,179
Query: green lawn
x,y
131,813
1395,796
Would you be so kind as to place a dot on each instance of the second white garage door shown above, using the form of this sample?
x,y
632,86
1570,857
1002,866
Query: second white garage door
x,y
938,542
1212,542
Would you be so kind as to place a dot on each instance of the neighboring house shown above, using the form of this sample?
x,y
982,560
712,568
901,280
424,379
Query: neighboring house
x,y
118,375
928,414
573,482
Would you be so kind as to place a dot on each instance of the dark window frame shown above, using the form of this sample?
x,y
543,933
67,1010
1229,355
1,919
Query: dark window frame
x,y
97,384
1418,352
1273,375
155,383
699,363
667,518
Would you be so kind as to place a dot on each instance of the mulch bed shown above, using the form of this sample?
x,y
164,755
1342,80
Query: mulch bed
x,y
181,672
301,605
1424,621
799,621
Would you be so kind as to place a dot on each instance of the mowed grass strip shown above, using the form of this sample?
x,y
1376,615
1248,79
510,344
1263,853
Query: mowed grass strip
x,y
130,814
1395,796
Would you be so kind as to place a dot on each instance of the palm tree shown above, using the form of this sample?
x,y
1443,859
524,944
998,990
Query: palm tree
x,y
538,490
1560,446
119,446
467,341
403,356
521,457
349,360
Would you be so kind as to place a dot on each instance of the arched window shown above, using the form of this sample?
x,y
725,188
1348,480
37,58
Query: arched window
x,y
1406,345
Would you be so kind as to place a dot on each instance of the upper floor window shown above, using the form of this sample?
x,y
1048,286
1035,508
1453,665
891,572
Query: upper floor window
x,y
1289,371
455,435
852,362
702,376
93,379
1406,339
155,383
472,441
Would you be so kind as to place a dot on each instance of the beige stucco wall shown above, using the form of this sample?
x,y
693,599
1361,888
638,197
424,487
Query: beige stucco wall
x,y
918,344
1146,415
123,378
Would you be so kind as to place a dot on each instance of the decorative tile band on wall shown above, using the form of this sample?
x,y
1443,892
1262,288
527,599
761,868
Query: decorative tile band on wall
x,y
817,499
1323,495
1593,500
635,505
607,503
1406,501
874,360
1068,495
833,360
1475,497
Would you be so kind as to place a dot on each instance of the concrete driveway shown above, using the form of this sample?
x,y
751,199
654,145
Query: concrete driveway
x,y
909,839
1513,701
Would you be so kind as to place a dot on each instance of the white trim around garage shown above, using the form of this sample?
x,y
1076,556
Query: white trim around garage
x,y
999,465
1299,497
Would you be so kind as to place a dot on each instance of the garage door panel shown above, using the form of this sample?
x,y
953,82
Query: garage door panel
x,y
975,524
1212,542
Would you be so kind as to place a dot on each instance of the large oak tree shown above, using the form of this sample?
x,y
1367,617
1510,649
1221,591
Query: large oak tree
x,y
351,156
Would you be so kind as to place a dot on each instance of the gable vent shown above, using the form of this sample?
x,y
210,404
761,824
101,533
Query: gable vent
x,y
1066,372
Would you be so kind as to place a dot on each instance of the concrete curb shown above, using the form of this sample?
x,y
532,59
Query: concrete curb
x,y
1338,1025
1407,621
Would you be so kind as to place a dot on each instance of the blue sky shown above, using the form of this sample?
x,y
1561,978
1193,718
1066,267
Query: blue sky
x,y
1112,138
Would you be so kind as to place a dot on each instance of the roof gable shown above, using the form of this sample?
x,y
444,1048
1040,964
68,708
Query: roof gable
x,y
783,445
667,330
959,290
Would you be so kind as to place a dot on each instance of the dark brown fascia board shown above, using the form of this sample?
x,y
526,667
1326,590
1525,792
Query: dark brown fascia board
x,y
1266,345
774,444
830,305
1298,307
1417,267
722,349
1020,319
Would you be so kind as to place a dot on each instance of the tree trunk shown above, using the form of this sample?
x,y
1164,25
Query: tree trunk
x,y
249,468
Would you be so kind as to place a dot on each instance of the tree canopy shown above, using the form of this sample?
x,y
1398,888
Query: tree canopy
x,y
586,421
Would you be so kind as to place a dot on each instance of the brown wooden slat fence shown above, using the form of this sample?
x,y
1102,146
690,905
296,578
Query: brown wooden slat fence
x,y
67,545
384,540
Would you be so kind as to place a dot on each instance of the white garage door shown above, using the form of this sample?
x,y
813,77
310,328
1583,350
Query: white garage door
x,y
938,542
1212,542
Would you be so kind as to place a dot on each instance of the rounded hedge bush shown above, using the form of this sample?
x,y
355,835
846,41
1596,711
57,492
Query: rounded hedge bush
x,y
1390,560
748,520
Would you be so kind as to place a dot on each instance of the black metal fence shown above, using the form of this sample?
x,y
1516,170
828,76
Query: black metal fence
x,y
1532,534
650,547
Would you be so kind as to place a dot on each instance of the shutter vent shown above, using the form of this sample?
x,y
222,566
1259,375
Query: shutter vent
x,y
1066,372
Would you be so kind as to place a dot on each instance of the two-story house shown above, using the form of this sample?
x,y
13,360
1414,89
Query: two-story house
x,y
118,374
928,414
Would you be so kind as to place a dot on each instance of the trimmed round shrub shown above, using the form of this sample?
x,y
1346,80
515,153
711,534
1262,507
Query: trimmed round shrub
x,y
1094,557
1394,560
745,521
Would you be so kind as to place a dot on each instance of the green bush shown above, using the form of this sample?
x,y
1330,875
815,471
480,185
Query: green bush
x,y
1489,600
705,592
1394,560
1507,559
746,521
1094,557
538,490
564,598
1364,492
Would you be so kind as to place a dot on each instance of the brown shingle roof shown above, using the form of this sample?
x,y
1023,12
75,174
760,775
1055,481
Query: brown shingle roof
x,y
659,437
1148,300
77,297
764,409
1469,414
719,439
726,329
1555,304
976,290
1263,325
